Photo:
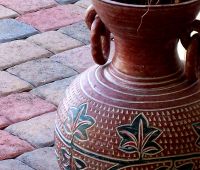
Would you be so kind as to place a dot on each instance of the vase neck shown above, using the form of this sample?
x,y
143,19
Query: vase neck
x,y
146,58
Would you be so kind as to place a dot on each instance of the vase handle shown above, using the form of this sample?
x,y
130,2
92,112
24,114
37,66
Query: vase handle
x,y
100,36
192,45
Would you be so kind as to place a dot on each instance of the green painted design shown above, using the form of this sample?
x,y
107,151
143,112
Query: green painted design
x,y
78,122
69,161
139,137
76,125
65,158
196,127
122,163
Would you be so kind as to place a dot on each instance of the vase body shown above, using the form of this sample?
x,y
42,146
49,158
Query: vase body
x,y
140,111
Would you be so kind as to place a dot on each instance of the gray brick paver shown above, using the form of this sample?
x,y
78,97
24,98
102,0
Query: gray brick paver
x,y
78,31
11,84
12,164
40,159
19,51
53,92
42,71
11,29
38,131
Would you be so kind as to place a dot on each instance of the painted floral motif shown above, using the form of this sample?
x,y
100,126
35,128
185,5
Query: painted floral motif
x,y
78,122
139,137
71,163
196,127
76,125
187,166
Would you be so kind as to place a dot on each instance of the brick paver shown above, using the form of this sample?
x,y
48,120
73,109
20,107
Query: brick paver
x,y
22,106
53,92
73,57
41,71
11,146
12,164
38,131
24,6
7,13
54,18
84,3
40,159
10,84
19,51
54,41
78,31
11,29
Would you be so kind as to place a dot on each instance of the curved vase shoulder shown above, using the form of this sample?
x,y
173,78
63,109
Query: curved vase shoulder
x,y
140,111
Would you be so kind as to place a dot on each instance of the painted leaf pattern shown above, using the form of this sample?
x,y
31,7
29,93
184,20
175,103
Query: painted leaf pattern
x,y
78,122
79,164
139,137
196,127
129,141
66,157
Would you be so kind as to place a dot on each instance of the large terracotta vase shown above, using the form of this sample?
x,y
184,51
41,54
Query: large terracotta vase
x,y
141,111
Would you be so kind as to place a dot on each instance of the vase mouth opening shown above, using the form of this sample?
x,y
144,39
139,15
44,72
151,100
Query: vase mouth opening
x,y
113,2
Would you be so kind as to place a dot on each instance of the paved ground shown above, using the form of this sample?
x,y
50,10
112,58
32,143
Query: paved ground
x,y
44,45
41,45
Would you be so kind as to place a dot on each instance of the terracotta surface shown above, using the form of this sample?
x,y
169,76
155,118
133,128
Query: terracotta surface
x,y
142,110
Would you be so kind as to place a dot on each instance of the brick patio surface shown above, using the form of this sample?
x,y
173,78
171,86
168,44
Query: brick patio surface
x,y
44,45
41,45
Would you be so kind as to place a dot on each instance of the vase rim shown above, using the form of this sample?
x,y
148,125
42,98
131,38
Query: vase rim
x,y
148,6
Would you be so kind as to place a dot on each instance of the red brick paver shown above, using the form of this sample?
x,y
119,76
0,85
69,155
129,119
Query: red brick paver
x,y
24,6
11,146
22,106
54,18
